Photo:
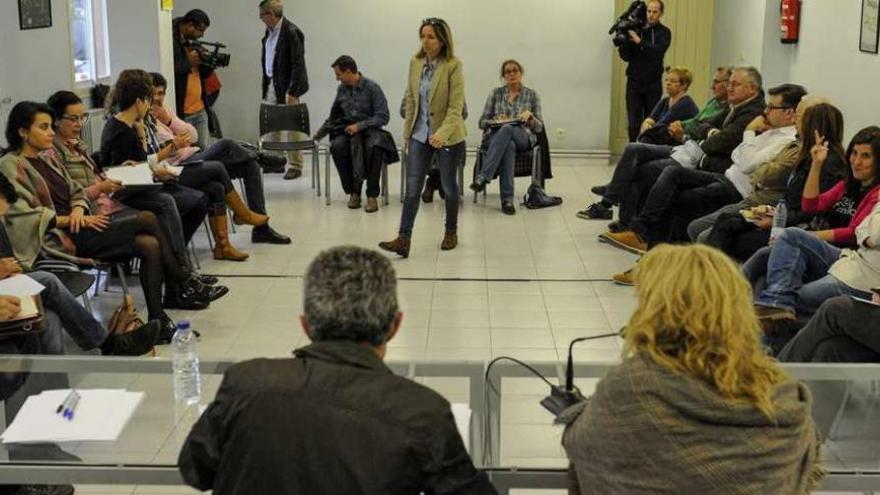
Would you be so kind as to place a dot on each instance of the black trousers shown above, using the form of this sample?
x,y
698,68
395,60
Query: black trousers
x,y
685,192
841,331
340,149
641,98
737,237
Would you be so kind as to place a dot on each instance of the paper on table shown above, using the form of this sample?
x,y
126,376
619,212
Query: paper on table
x,y
462,415
101,415
20,286
138,174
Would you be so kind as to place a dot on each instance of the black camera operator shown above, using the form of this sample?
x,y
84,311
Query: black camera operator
x,y
191,71
643,48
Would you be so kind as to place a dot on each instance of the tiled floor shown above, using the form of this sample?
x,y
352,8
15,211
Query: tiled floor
x,y
521,286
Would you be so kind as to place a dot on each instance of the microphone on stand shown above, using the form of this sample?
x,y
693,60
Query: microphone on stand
x,y
561,398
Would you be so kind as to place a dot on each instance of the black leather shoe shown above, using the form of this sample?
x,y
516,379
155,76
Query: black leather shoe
x,y
135,343
167,327
189,296
212,293
268,235
478,185
208,279
599,190
507,208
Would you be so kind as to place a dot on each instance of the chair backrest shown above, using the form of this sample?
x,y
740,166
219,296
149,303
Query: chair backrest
x,y
275,118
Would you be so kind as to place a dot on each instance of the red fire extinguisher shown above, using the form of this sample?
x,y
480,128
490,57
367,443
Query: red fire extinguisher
x,y
789,20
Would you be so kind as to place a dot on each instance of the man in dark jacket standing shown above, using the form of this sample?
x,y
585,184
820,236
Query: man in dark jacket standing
x,y
644,71
284,67
333,419
190,74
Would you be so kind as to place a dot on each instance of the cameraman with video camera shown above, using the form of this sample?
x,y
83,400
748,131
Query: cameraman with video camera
x,y
190,72
642,42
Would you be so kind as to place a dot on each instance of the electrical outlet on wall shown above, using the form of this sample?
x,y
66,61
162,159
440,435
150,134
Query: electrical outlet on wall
x,y
560,134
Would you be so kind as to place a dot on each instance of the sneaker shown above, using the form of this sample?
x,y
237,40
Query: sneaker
x,y
596,211
507,207
292,173
450,240
599,190
479,185
626,240
624,278
354,201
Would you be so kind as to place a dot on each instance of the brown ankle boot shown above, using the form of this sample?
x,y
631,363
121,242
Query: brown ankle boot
x,y
241,214
450,240
223,249
399,246
372,205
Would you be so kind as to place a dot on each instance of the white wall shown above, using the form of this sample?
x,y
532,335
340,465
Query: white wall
x,y
732,43
564,48
826,60
36,62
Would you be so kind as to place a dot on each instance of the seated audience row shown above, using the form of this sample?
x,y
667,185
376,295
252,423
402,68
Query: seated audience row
x,y
793,152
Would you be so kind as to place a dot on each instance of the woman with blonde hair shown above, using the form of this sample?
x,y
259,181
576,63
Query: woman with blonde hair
x,y
696,406
434,126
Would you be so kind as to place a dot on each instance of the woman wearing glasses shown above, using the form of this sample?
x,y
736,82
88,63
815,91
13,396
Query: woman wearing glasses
x,y
511,121
433,126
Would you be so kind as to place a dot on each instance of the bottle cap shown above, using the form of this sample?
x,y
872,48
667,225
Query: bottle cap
x,y
183,324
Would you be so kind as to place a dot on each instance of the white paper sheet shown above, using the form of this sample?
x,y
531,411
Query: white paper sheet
x,y
134,175
20,286
100,415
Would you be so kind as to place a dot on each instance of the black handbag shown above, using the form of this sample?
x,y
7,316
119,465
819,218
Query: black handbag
x,y
536,198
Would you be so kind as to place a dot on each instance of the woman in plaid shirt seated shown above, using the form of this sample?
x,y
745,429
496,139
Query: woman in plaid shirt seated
x,y
511,119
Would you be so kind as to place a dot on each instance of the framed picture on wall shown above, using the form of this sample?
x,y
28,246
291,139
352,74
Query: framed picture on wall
x,y
868,35
34,14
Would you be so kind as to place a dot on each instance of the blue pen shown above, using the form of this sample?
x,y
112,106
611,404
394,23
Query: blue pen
x,y
73,407
68,411
65,402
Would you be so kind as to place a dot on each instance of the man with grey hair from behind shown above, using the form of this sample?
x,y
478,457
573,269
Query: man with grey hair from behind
x,y
334,418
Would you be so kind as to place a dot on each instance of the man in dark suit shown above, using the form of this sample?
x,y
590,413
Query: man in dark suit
x,y
334,418
284,67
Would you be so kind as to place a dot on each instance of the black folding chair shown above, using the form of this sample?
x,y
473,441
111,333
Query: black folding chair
x,y
279,125
526,164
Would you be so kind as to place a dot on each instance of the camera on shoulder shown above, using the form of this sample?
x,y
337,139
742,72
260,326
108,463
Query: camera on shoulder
x,y
211,54
634,19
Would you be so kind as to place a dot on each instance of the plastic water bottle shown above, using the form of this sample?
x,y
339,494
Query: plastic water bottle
x,y
779,219
185,356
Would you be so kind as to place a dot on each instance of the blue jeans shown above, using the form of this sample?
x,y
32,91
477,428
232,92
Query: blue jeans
x,y
449,159
503,146
199,120
83,328
797,273
634,155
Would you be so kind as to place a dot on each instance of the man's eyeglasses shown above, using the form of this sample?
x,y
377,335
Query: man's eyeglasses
x,y
82,119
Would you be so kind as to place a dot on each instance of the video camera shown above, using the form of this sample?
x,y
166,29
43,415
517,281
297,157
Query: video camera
x,y
634,19
210,53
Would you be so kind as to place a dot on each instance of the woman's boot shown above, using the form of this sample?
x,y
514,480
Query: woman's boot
x,y
223,250
241,214
400,246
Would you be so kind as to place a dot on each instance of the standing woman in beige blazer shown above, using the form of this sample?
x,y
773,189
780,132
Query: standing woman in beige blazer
x,y
433,126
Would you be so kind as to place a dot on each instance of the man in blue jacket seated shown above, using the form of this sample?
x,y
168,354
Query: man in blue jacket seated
x,y
334,418
357,142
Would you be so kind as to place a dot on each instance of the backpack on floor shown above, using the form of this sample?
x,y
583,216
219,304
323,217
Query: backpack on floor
x,y
125,319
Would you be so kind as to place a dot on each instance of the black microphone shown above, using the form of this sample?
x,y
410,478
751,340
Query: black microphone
x,y
560,398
